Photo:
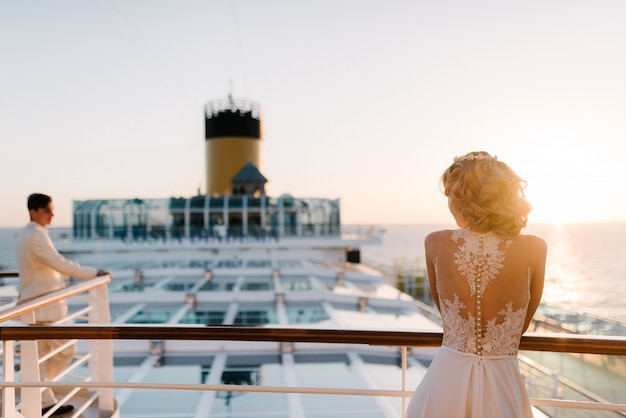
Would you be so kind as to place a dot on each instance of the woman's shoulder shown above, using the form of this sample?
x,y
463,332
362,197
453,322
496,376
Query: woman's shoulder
x,y
435,236
534,239
536,243
436,233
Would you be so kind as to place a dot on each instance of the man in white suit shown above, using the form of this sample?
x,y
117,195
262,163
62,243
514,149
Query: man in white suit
x,y
42,270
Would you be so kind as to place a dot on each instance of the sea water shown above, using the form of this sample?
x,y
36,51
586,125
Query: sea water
x,y
585,271
585,268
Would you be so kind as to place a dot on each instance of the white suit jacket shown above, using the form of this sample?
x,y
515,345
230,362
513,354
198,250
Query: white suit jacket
x,y
42,269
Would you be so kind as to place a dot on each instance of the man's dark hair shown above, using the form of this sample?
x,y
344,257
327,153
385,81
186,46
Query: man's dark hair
x,y
38,200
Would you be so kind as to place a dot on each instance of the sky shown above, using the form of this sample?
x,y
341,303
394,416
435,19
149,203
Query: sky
x,y
366,101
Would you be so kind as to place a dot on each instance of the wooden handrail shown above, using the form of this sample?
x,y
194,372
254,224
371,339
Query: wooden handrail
x,y
531,341
569,343
574,343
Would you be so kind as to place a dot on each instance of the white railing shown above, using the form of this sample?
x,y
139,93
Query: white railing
x,y
99,360
100,355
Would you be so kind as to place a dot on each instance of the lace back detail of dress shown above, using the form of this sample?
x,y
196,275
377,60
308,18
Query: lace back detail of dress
x,y
479,260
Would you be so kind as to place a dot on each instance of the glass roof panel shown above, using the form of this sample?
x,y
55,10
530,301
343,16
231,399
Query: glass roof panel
x,y
334,374
254,405
155,403
306,314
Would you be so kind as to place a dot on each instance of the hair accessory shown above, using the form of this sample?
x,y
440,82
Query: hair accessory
x,y
470,157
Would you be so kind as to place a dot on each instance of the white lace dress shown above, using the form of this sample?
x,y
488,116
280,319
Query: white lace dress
x,y
483,286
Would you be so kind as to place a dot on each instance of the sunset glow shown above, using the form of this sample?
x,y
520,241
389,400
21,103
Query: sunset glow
x,y
569,180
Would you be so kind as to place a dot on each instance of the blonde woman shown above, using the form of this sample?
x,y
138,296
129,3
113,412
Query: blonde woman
x,y
486,279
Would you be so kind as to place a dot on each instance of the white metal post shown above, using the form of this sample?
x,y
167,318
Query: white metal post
x,y
403,351
101,361
8,375
29,372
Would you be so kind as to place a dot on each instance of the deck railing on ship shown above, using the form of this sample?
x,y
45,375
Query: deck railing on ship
x,y
100,334
99,359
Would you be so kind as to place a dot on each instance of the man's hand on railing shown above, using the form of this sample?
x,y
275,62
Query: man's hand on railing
x,y
102,273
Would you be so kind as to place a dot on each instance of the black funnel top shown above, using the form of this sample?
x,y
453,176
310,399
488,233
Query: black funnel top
x,y
232,118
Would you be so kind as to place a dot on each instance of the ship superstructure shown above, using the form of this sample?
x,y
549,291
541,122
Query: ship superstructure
x,y
235,256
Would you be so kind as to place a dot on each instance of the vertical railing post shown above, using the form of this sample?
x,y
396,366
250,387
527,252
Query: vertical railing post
x,y
29,372
403,352
555,393
8,375
101,361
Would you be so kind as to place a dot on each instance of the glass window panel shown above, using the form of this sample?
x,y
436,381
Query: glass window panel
x,y
235,202
256,317
258,263
134,287
197,202
216,285
254,405
203,317
177,286
252,286
152,316
306,314
178,203
254,202
216,203
297,283
117,310
229,263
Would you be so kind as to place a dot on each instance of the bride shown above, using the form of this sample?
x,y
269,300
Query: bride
x,y
486,279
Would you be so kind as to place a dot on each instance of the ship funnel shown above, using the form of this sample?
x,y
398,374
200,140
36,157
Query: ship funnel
x,y
233,133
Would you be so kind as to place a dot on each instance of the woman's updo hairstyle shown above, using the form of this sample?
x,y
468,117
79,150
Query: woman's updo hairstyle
x,y
486,193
